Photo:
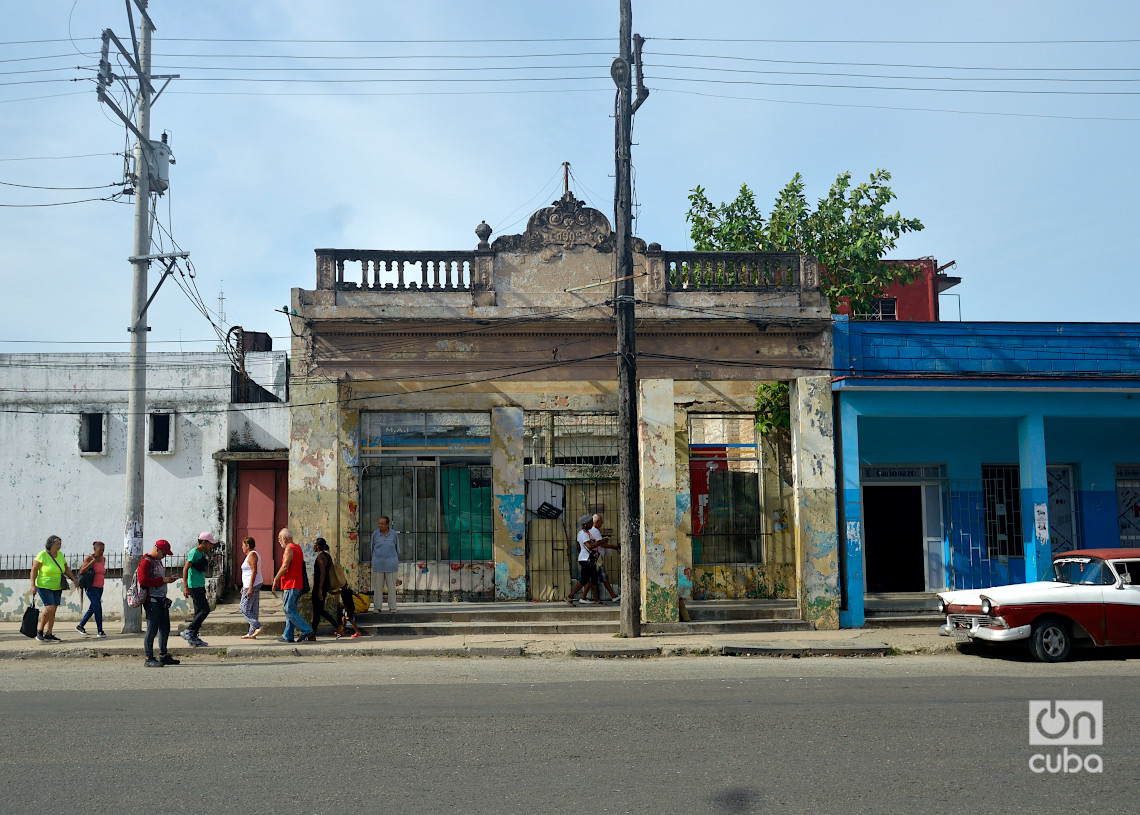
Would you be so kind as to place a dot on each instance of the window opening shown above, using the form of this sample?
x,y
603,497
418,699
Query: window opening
x,y
91,432
161,436
1001,488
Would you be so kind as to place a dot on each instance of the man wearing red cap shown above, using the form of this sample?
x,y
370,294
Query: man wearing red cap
x,y
152,577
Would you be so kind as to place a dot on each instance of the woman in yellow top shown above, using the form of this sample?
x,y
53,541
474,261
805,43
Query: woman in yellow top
x,y
47,572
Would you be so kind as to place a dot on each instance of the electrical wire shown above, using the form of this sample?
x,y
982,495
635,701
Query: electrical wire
x,y
1020,91
33,187
902,108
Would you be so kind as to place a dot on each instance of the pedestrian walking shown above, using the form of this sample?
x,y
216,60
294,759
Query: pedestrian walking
x,y
91,578
348,612
291,578
194,587
48,581
152,577
587,560
603,542
322,567
385,562
250,603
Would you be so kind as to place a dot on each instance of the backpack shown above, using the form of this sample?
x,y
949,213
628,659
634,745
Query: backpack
x,y
337,577
136,594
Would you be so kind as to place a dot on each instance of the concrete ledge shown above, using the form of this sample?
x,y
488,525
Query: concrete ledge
x,y
491,650
806,649
616,649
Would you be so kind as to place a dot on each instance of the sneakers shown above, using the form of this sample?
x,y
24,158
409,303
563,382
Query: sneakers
x,y
51,638
356,635
311,637
151,662
40,636
101,635
81,630
197,643
187,635
167,659
282,639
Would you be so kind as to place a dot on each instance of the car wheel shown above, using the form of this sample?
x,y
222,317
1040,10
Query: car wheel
x,y
1050,641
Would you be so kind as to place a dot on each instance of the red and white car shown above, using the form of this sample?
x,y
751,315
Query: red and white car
x,y
1090,595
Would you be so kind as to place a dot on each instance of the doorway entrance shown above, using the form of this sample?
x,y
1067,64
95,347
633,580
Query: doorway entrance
x,y
261,508
892,538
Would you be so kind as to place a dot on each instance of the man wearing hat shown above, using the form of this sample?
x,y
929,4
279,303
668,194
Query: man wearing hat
x,y
587,560
194,586
152,576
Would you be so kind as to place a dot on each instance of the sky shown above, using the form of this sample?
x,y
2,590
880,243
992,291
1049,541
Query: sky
x,y
1009,129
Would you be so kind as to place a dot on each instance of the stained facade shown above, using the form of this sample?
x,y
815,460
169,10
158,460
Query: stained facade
x,y
471,396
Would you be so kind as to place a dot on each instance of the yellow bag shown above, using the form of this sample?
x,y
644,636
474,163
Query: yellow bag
x,y
360,602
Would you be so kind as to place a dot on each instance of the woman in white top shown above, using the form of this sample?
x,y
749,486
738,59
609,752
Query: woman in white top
x,y
250,587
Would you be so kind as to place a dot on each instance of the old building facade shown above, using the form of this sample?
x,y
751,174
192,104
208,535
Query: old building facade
x,y
471,396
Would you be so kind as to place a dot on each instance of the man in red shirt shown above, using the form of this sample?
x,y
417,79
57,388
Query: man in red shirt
x,y
291,578
152,577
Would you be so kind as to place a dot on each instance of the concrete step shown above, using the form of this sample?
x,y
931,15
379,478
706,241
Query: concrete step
x,y
902,620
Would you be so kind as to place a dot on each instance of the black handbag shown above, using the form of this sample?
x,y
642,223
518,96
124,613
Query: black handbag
x,y
63,584
86,580
31,622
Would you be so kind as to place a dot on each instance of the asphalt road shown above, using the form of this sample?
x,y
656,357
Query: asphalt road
x,y
680,735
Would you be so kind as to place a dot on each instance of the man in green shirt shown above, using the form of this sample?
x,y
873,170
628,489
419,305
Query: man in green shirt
x,y
194,586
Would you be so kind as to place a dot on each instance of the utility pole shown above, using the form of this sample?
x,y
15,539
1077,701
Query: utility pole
x,y
630,503
136,404
149,173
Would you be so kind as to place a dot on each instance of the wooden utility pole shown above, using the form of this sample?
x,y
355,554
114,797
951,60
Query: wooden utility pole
x,y
630,502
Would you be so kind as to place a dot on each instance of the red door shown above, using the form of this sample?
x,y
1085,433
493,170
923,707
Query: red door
x,y
261,508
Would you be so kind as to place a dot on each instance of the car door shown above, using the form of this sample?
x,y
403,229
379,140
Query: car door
x,y
1122,604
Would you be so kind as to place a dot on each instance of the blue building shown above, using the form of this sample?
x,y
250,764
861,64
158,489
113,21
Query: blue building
x,y
970,452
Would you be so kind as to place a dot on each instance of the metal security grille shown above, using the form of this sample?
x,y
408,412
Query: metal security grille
x,y
1001,486
727,520
1128,503
571,470
971,564
442,513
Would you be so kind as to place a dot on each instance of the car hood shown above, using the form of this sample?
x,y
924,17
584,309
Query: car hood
x,y
999,595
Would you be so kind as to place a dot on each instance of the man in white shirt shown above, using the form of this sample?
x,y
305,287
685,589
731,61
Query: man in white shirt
x,y
587,558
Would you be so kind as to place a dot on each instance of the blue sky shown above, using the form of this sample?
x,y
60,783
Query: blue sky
x,y
1031,193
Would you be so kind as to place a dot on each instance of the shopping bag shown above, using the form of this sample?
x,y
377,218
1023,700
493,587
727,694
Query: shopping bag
x,y
31,621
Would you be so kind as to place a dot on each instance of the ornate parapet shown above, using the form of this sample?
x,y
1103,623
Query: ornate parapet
x,y
567,223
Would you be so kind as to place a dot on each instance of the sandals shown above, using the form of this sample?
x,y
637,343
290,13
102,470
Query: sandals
x,y
569,600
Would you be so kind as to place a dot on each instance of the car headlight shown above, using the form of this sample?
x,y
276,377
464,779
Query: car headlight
x,y
941,605
987,606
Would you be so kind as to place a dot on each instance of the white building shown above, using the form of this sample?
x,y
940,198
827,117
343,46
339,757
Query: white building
x,y
63,446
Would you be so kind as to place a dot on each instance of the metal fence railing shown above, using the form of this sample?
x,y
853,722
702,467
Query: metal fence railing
x,y
20,566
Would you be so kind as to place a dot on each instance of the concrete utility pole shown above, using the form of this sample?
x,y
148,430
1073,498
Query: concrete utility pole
x,y
136,404
630,503
151,162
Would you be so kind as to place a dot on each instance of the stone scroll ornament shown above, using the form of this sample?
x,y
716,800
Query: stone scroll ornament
x,y
568,222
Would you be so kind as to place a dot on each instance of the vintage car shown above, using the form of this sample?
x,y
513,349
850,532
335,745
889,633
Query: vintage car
x,y
1086,596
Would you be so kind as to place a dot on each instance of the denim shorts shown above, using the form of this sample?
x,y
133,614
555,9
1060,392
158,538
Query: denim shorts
x,y
49,597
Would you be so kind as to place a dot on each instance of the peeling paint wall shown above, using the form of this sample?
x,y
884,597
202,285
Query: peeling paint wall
x,y
658,468
508,503
44,471
817,533
344,538
315,454
684,524
757,582
15,598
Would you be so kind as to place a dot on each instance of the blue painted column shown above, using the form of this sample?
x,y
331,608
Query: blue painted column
x,y
1034,494
851,527
509,503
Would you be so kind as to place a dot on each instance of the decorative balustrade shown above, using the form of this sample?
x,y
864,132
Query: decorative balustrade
x,y
735,271
393,270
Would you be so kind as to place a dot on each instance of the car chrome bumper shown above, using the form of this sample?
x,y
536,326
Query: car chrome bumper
x,y
1020,632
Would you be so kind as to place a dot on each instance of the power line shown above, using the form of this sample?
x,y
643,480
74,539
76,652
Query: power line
x,y
896,42
901,107
887,76
33,187
34,98
890,87
883,64
61,203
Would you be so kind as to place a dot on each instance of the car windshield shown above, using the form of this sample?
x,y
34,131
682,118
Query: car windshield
x,y
1079,570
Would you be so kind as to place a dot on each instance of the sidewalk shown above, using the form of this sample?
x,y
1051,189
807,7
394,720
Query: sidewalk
x,y
228,643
